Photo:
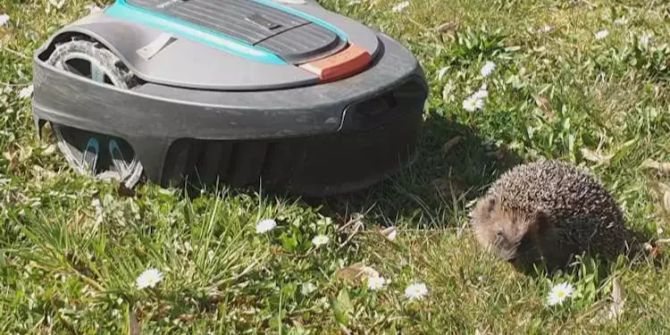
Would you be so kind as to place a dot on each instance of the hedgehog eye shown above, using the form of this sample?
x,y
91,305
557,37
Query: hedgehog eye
x,y
492,204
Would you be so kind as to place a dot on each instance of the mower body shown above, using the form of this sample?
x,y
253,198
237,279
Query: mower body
x,y
242,92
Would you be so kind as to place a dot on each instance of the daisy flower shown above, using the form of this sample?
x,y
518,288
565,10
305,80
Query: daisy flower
x,y
602,34
307,288
645,39
4,19
149,278
472,104
416,291
265,226
620,21
320,240
559,293
488,68
26,92
376,283
400,7
482,93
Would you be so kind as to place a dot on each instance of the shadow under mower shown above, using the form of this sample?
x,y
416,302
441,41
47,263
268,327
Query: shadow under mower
x,y
285,95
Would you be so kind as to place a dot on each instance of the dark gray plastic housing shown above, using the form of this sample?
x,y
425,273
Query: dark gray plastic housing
x,y
260,123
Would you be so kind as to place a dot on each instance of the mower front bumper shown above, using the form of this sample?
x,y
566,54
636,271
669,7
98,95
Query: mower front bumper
x,y
313,140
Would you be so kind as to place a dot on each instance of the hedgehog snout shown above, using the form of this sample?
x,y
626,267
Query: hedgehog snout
x,y
506,247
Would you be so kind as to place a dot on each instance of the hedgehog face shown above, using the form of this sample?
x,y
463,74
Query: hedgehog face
x,y
510,234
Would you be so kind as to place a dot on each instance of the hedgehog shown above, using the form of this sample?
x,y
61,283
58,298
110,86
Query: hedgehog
x,y
546,213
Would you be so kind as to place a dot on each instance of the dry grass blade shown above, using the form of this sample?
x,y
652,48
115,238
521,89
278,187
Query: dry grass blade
x,y
666,200
451,144
618,300
595,156
447,27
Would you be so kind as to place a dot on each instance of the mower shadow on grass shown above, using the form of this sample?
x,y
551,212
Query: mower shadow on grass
x,y
453,166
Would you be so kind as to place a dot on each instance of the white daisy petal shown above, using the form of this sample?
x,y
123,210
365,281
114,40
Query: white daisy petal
x,y
320,240
307,288
479,104
645,39
487,69
469,104
481,94
265,226
416,291
26,92
148,278
400,7
475,102
4,19
620,21
376,283
602,34
559,293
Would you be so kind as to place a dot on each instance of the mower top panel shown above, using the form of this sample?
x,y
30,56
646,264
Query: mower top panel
x,y
163,49
292,38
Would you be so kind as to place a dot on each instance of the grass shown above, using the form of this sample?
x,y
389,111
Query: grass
x,y
71,247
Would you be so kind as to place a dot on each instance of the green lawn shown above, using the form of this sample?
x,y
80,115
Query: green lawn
x,y
71,247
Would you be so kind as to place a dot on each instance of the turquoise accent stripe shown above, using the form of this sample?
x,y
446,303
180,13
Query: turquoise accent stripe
x,y
125,11
305,16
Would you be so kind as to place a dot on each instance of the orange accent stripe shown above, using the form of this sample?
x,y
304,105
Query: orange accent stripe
x,y
342,64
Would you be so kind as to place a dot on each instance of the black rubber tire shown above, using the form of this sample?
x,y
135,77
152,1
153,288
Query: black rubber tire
x,y
105,67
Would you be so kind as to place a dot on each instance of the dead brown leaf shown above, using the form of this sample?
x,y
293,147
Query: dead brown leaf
x,y
662,167
12,158
447,27
663,187
389,233
356,273
545,106
133,324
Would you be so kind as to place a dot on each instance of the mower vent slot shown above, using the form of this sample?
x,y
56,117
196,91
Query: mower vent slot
x,y
237,163
288,36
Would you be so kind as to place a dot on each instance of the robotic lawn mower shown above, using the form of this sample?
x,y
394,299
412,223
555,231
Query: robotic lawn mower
x,y
286,95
